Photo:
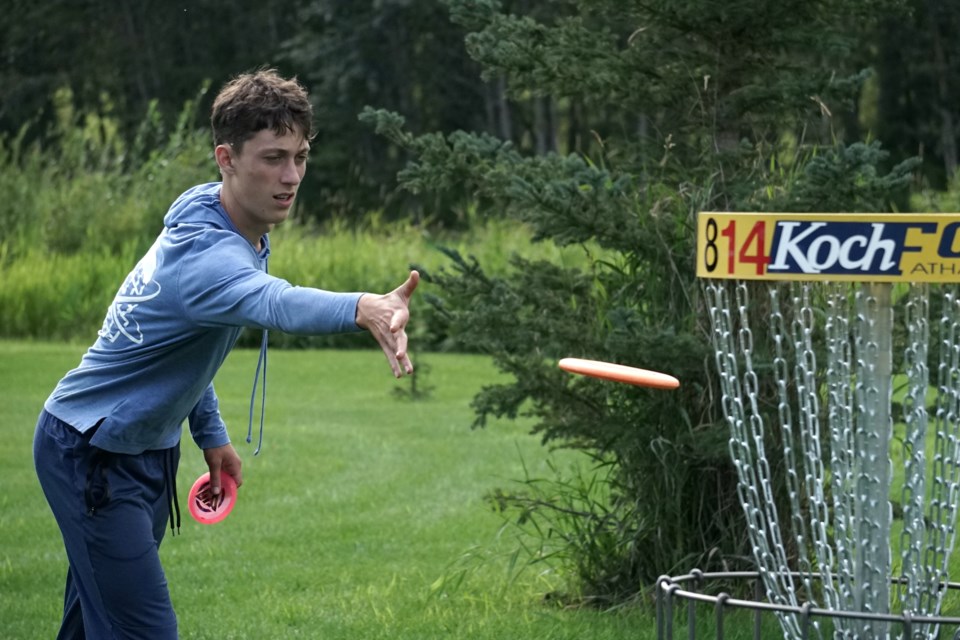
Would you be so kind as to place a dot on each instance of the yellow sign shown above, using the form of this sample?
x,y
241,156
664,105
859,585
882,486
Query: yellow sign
x,y
868,247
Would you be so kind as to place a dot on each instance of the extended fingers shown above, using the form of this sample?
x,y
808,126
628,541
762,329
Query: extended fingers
x,y
402,356
399,319
393,360
406,364
394,345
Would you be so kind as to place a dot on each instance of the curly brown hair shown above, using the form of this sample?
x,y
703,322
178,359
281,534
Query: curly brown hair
x,y
259,100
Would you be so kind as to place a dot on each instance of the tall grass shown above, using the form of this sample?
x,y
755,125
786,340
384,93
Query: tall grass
x,y
49,294
79,204
57,296
373,254
80,186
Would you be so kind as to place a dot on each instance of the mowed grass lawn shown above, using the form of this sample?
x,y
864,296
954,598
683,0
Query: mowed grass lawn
x,y
363,517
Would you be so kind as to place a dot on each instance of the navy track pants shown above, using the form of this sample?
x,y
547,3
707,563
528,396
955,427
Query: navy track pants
x,y
112,510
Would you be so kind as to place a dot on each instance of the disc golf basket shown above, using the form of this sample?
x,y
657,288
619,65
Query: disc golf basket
x,y
837,343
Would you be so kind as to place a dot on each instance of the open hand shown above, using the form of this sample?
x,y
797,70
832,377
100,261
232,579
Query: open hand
x,y
385,317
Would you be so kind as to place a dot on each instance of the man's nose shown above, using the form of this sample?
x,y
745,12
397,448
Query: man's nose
x,y
291,173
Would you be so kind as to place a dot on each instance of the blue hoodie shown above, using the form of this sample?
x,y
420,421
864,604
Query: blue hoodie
x,y
172,324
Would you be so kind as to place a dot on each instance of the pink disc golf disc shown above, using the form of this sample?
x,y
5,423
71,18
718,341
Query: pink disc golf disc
x,y
207,508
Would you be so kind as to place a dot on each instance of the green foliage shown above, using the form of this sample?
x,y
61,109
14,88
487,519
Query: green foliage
x,y
48,293
89,189
549,67
916,59
402,54
565,198
583,521
139,54
848,179
937,201
668,488
44,295
693,106
572,520
79,205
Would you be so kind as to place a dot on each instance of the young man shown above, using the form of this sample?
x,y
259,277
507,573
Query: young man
x,y
107,443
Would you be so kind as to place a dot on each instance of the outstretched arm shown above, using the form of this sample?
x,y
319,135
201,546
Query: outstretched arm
x,y
385,317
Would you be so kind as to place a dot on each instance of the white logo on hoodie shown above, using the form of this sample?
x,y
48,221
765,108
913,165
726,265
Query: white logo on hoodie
x,y
139,287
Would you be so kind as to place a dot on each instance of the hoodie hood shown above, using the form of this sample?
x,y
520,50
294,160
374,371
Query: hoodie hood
x,y
199,205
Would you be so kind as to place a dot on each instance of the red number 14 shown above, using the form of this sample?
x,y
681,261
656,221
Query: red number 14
x,y
756,238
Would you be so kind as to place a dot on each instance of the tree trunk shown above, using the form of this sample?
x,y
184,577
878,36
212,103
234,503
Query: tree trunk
x,y
948,136
505,121
544,125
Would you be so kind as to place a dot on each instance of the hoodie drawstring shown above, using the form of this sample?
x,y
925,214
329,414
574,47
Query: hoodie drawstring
x,y
172,500
261,364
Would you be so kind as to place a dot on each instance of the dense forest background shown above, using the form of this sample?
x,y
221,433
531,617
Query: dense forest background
x,y
408,56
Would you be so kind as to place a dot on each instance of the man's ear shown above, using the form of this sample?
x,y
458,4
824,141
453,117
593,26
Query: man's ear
x,y
224,155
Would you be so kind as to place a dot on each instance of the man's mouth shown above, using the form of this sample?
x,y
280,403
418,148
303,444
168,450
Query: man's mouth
x,y
284,198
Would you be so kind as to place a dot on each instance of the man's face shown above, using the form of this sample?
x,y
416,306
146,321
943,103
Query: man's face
x,y
260,182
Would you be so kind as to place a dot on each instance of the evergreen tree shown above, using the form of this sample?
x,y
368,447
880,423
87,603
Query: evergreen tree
x,y
689,106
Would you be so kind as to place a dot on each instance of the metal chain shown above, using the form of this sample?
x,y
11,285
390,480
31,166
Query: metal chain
x,y
814,478
771,532
792,449
944,491
914,572
746,452
840,418
845,540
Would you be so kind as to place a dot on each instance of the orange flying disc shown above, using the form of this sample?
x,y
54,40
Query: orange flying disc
x,y
619,373
207,508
